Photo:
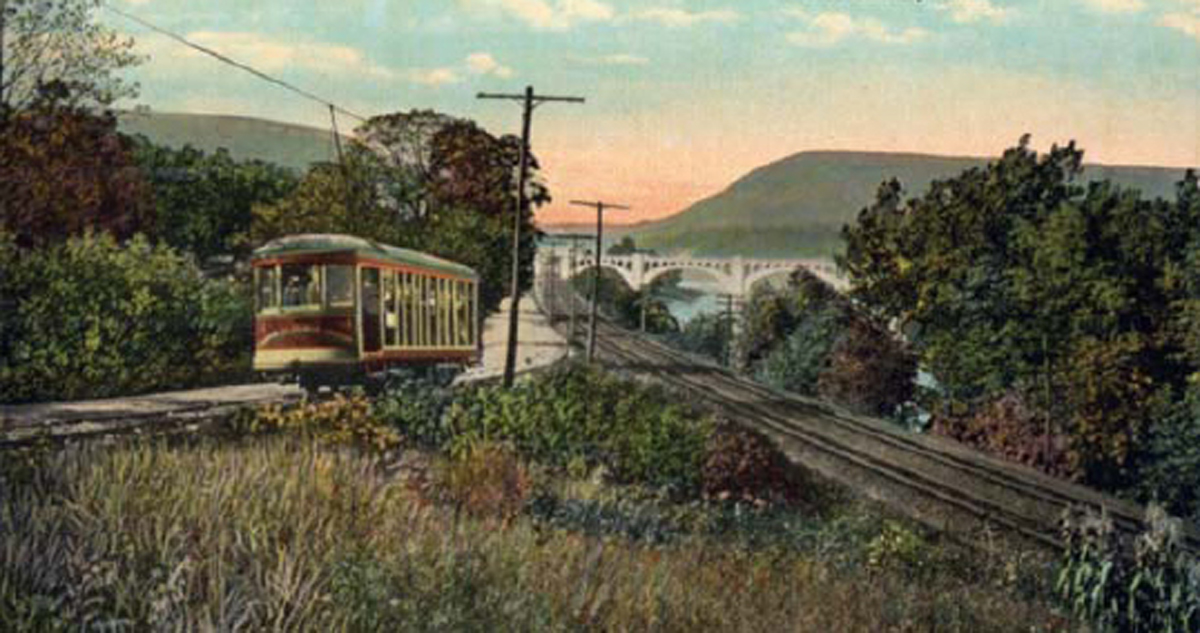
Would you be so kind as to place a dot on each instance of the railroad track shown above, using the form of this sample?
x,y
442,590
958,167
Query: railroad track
x,y
937,481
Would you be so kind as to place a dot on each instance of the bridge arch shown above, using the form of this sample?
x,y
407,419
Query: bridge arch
x,y
625,275
722,278
766,273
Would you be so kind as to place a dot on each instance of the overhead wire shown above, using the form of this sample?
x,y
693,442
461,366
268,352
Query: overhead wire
x,y
225,59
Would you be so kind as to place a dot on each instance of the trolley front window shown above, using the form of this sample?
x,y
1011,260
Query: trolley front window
x,y
339,285
301,284
266,288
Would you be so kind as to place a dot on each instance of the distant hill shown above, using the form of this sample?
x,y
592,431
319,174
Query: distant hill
x,y
797,206
286,144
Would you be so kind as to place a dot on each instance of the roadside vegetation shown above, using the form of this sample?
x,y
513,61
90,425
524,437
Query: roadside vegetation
x,y
332,516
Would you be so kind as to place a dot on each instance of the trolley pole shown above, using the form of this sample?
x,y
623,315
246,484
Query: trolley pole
x,y
530,101
599,206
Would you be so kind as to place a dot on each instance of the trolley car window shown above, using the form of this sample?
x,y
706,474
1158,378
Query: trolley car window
x,y
391,320
339,285
301,285
266,288
462,317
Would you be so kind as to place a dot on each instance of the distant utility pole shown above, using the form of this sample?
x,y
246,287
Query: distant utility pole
x,y
728,328
530,101
574,237
599,207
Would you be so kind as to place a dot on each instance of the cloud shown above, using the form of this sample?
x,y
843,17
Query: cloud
x,y
1186,23
485,64
618,59
1116,6
434,76
559,16
680,18
969,11
266,54
275,56
829,28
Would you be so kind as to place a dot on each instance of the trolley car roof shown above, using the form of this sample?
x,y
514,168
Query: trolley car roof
x,y
330,243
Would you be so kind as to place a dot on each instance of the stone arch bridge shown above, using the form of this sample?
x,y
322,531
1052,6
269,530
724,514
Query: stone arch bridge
x,y
734,276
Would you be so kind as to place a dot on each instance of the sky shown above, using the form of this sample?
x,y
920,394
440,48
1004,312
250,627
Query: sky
x,y
685,96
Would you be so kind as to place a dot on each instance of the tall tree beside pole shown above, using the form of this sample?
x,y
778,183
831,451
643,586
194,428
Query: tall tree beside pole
x,y
530,101
599,207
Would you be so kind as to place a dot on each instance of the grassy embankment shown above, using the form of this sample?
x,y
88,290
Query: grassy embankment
x,y
289,530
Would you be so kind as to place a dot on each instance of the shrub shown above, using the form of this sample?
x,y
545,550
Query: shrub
x,y
897,546
809,339
92,318
1170,473
797,364
489,480
742,464
348,421
1007,426
1145,583
870,372
416,409
583,414
705,334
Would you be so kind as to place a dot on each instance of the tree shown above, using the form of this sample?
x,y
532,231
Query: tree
x,y
58,42
1014,281
424,181
625,246
204,202
64,170
326,201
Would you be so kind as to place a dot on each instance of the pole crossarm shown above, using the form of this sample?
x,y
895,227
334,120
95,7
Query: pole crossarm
x,y
530,100
535,101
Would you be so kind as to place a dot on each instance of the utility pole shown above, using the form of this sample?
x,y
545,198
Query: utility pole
x,y
530,101
599,206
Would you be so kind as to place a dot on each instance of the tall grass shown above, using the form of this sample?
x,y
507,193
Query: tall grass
x,y
277,533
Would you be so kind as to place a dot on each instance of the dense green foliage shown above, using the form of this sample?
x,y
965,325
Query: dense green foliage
x,y
809,339
625,305
1147,583
624,246
582,414
706,334
1013,278
204,201
93,318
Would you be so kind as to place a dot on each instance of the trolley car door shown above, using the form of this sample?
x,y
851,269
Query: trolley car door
x,y
371,318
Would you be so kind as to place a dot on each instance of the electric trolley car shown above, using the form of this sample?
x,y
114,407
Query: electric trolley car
x,y
334,309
